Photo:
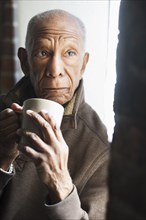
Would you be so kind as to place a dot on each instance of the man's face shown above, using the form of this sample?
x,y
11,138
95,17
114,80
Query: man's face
x,y
56,60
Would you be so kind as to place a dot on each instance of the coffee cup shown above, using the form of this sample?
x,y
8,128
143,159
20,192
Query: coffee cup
x,y
37,105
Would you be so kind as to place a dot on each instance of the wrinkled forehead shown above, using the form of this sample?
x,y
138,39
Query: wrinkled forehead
x,y
57,25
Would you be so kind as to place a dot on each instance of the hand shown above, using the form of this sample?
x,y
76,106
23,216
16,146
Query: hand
x,y
9,123
49,154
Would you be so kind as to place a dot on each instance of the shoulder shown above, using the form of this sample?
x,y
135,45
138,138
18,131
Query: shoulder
x,y
89,118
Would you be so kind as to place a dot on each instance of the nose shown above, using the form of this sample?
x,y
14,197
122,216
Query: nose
x,y
55,67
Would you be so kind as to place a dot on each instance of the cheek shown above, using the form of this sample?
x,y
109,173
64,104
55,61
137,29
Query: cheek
x,y
34,82
36,66
75,79
76,73
36,72
35,79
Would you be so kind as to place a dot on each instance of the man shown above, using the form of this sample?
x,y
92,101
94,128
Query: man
x,y
63,175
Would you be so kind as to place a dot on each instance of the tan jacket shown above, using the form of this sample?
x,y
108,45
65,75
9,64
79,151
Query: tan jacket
x,y
23,197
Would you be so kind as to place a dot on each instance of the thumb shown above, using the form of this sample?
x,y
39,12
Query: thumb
x,y
16,107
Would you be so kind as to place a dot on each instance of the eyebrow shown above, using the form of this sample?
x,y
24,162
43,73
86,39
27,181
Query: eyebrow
x,y
70,38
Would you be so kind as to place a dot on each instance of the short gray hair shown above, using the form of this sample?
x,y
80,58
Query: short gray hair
x,y
48,15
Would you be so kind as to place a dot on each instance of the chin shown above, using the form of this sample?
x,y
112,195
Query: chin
x,y
62,99
59,100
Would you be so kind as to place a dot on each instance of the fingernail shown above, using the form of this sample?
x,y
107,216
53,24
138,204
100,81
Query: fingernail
x,y
29,111
44,111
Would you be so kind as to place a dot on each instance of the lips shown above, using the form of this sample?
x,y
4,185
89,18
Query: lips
x,y
55,90
62,88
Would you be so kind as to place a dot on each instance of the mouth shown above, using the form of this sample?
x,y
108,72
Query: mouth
x,y
55,91
56,88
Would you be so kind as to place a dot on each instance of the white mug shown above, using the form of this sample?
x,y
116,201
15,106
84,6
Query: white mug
x,y
38,104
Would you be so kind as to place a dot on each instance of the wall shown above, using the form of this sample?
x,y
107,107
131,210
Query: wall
x,y
100,74
127,171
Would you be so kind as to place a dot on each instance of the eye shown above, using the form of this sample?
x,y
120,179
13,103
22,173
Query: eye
x,y
71,53
43,53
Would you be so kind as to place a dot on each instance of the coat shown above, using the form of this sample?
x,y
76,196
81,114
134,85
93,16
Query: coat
x,y
23,196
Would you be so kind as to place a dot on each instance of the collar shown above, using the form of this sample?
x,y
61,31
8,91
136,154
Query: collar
x,y
71,110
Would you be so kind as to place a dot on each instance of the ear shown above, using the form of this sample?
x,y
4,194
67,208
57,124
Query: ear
x,y
85,61
23,58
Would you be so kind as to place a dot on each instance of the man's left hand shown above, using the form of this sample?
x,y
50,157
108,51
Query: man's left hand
x,y
50,155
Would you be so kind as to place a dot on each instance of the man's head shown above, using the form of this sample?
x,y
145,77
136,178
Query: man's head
x,y
54,57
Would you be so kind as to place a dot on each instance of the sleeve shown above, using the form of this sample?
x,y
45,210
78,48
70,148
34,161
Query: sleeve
x,y
88,202
94,195
6,176
69,208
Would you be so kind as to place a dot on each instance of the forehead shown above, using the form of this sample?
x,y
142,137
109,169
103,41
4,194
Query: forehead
x,y
59,22
63,26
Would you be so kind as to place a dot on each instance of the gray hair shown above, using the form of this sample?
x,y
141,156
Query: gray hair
x,y
48,15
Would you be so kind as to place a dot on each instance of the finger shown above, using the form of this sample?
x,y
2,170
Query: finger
x,y
8,137
16,107
33,140
6,131
35,156
9,122
13,137
29,152
45,126
51,120
8,112
10,119
8,126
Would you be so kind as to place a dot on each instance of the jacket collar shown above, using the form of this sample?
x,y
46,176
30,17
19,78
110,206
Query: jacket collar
x,y
71,110
24,90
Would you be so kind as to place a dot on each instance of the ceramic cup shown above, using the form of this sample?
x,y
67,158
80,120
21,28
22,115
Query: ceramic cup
x,y
38,104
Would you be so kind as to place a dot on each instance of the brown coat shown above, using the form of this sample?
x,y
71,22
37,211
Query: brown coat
x,y
23,198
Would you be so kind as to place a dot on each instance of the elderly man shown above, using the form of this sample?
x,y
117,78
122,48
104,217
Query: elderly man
x,y
63,175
